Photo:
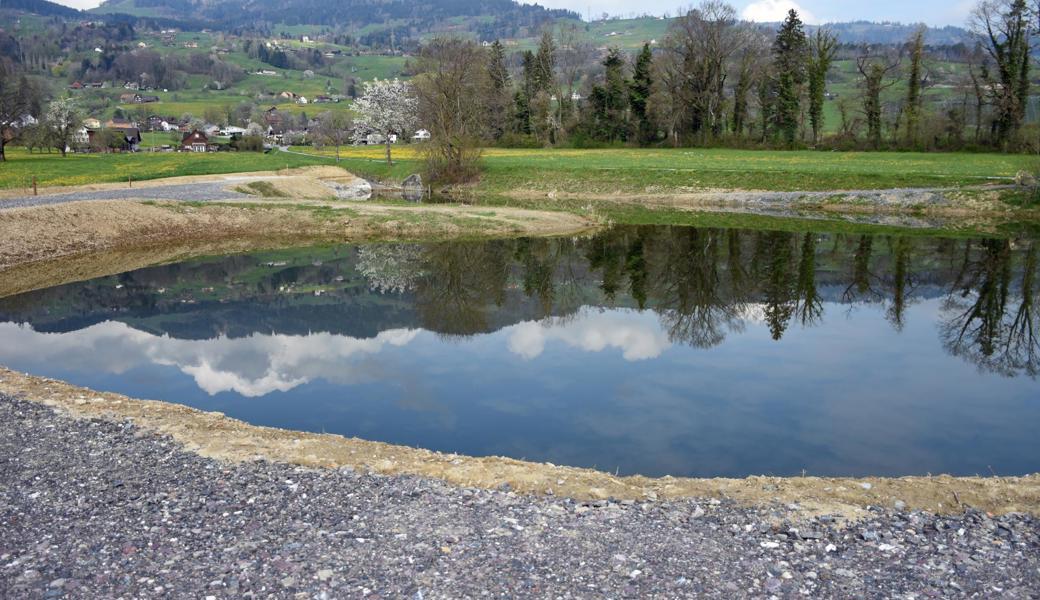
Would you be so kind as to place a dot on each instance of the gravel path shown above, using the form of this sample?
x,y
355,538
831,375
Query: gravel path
x,y
96,509
195,192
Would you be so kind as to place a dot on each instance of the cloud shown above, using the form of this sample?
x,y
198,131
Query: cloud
x,y
80,4
251,366
772,11
592,332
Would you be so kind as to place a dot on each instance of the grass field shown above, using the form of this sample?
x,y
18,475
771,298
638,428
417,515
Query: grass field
x,y
671,170
80,169
631,171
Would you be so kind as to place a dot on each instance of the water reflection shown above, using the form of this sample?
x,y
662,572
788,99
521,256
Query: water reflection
x,y
654,349
701,283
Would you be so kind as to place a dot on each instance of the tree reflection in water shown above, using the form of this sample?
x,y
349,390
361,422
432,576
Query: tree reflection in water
x,y
702,283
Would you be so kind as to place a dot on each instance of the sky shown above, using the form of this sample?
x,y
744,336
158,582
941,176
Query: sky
x,y
932,12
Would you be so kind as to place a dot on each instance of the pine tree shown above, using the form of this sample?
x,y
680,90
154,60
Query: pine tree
x,y
522,100
497,101
610,101
640,90
789,60
544,72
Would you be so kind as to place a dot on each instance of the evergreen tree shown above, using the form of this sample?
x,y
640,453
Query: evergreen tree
x,y
522,100
610,101
497,101
521,114
544,70
640,90
789,54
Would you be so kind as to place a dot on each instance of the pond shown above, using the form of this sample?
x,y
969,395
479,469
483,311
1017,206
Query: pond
x,y
651,350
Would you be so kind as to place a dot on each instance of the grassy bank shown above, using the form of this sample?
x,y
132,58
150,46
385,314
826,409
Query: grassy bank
x,y
650,171
610,171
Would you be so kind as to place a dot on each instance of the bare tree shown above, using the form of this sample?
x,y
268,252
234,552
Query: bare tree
x,y
822,49
1006,29
876,67
452,77
333,129
704,41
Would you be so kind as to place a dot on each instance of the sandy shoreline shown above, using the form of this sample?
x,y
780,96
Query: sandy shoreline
x,y
217,436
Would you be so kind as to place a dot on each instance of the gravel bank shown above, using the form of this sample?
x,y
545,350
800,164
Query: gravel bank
x,y
93,508
185,192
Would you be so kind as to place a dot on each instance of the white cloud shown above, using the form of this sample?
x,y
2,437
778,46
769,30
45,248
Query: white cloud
x,y
638,339
80,4
251,366
772,11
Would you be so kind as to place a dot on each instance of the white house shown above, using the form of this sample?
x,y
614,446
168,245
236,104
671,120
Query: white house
x,y
81,137
374,139
232,130
421,135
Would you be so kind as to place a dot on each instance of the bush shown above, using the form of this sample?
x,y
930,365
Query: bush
x,y
248,143
516,140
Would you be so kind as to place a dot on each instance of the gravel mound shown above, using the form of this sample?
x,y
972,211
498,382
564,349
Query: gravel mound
x,y
99,509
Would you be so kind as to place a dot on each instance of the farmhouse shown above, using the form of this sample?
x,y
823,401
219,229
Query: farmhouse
x,y
133,98
196,141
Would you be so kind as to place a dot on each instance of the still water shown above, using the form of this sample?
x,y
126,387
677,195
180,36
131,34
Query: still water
x,y
655,350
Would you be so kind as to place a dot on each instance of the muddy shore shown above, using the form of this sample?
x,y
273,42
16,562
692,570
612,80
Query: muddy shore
x,y
49,245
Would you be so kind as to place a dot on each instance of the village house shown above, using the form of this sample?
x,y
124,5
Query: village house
x,y
117,123
421,136
131,98
196,141
160,123
131,136
273,119
81,138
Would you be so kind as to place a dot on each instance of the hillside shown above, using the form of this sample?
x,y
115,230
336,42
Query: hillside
x,y
499,17
40,7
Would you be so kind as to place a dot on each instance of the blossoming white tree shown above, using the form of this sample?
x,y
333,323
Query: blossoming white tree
x,y
387,108
63,118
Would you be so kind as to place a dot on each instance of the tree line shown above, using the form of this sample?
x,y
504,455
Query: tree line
x,y
716,81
